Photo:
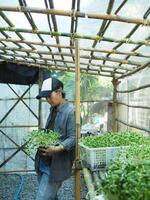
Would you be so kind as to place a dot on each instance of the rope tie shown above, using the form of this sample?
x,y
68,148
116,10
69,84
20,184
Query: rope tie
x,y
12,28
100,38
113,51
35,30
145,22
86,16
73,14
127,40
125,62
72,37
147,42
19,8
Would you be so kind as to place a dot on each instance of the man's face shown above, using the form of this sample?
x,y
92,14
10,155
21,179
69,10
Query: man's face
x,y
54,99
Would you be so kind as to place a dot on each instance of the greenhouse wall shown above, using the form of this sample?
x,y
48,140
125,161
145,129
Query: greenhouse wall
x,y
137,113
16,125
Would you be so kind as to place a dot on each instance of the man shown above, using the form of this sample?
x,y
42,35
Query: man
x,y
54,164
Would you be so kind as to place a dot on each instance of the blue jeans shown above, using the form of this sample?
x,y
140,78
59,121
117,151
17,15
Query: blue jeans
x,y
47,190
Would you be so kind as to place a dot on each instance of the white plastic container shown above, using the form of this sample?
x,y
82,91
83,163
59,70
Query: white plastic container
x,y
95,158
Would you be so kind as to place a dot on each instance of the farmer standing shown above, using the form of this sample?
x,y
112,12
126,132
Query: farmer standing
x,y
54,164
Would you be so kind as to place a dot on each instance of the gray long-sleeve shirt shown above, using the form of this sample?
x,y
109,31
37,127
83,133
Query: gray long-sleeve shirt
x,y
61,163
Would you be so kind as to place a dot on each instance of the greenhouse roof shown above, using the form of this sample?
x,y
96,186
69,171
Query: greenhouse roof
x,y
114,35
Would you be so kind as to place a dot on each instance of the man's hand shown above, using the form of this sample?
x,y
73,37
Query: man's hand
x,y
46,151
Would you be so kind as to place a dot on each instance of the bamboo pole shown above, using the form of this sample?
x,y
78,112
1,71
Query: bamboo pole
x,y
97,181
8,99
74,13
133,90
133,126
75,35
13,141
102,174
59,68
113,51
20,126
127,109
77,103
40,102
89,184
12,25
133,106
70,55
135,70
33,113
114,107
12,155
13,106
82,101
91,66
16,171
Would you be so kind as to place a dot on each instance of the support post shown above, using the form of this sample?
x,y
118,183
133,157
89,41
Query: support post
x,y
40,101
77,104
89,184
114,106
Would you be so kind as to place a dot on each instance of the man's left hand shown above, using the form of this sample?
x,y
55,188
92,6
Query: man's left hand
x,y
45,151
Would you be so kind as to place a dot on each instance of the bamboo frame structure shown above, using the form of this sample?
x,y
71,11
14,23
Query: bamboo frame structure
x,y
94,60
114,105
135,70
19,148
75,35
134,89
132,125
19,99
39,103
67,55
74,15
133,106
89,183
77,103
130,53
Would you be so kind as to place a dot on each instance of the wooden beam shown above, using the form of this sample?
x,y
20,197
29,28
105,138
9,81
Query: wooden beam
x,y
89,184
135,89
114,105
74,13
58,67
75,35
133,126
132,106
135,70
113,51
116,60
77,103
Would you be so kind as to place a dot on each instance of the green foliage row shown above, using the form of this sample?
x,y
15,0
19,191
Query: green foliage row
x,y
113,139
38,138
129,178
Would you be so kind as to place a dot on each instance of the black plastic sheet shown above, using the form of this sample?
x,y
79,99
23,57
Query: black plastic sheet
x,y
21,74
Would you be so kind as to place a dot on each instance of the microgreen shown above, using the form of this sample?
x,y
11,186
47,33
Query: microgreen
x,y
38,138
115,139
129,178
